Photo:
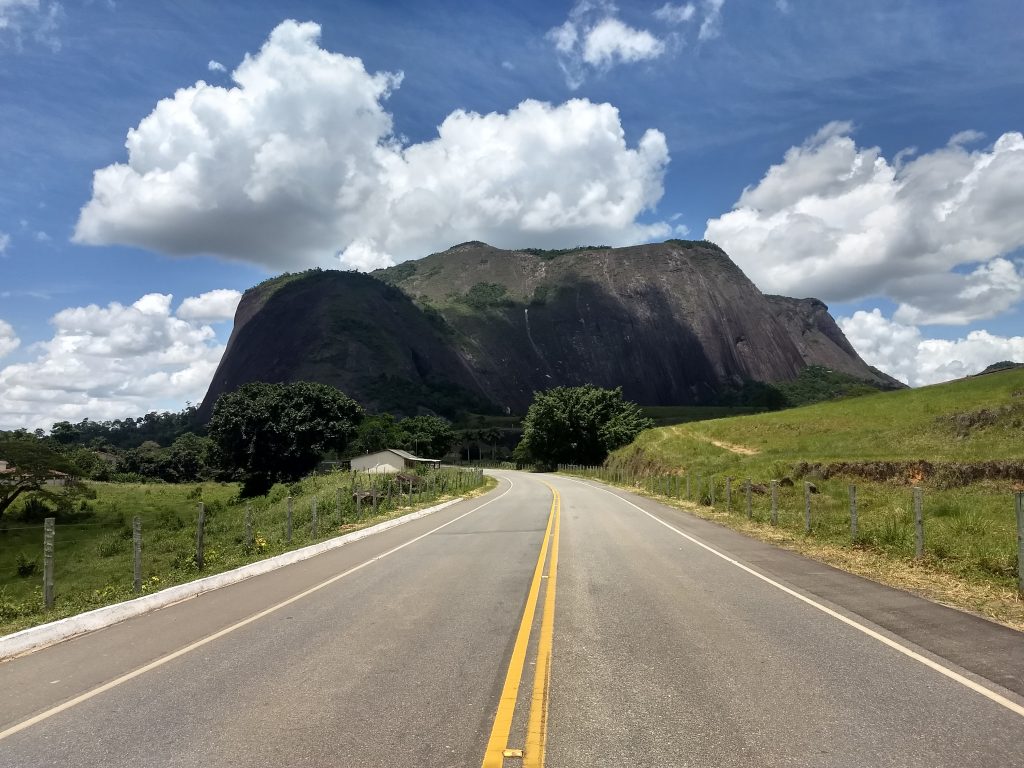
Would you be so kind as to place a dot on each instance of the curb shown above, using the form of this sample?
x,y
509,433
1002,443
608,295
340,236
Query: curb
x,y
39,637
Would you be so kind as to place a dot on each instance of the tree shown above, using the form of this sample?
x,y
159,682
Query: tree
x,y
376,433
578,425
429,436
272,432
32,461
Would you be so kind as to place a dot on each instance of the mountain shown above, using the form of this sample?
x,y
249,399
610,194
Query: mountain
x,y
478,328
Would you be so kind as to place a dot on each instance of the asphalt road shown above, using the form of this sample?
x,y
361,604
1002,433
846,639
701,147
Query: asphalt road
x,y
600,629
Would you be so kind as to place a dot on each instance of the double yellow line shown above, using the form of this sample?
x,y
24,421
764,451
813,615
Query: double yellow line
x,y
537,723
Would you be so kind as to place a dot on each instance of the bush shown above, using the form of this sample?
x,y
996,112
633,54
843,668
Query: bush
x,y
25,566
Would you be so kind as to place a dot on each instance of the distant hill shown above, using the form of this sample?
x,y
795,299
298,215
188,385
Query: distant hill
x,y
1003,365
477,328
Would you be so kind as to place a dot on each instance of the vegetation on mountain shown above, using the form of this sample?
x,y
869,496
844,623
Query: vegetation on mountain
x,y
280,432
478,329
578,425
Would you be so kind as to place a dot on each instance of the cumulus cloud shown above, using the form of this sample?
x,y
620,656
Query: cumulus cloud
x,y
37,20
111,362
216,66
936,233
676,14
297,163
9,341
593,38
901,350
210,307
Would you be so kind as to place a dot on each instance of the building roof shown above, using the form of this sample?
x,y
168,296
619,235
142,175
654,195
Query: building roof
x,y
402,454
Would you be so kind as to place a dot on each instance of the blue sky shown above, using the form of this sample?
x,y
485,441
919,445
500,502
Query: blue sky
x,y
878,143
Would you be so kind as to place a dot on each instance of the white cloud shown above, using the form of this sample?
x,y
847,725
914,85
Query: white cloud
x,y
611,42
216,66
110,362
297,163
900,350
711,27
9,341
936,233
35,19
5,240
593,38
211,306
676,14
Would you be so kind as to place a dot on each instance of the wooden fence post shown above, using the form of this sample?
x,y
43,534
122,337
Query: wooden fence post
x,y
853,514
200,537
137,553
775,502
48,536
918,524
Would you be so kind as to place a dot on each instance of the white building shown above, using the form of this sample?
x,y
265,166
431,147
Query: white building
x,y
390,460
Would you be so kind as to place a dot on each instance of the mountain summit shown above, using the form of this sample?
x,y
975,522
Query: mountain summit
x,y
481,328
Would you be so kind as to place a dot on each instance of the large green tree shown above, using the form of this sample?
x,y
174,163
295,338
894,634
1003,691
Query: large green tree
x,y
32,463
428,436
279,432
578,425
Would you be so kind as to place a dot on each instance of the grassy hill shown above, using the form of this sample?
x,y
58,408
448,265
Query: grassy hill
x,y
973,420
962,443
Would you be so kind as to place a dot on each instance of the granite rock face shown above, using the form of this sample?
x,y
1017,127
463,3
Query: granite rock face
x,y
478,327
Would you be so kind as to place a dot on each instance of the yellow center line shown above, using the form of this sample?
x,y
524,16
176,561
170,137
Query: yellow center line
x,y
494,754
537,726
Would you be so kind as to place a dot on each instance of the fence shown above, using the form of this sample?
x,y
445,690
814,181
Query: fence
x,y
830,510
87,562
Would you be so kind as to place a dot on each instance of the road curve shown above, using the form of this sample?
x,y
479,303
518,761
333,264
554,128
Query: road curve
x,y
669,642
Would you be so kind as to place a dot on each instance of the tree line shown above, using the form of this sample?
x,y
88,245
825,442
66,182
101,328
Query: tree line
x,y
263,433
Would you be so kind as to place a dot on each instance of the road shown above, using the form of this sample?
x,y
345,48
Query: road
x,y
582,625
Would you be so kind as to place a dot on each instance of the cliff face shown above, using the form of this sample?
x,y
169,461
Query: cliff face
x,y
475,326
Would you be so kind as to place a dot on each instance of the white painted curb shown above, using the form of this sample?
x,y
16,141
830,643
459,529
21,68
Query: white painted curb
x,y
36,638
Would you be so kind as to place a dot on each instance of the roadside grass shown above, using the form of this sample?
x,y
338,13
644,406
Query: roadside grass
x,y
885,444
93,552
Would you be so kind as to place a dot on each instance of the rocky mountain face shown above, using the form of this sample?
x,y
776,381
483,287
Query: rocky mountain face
x,y
480,328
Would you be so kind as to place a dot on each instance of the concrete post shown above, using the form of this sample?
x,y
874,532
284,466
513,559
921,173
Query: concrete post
x,y
750,507
248,527
137,553
775,502
288,521
1019,503
728,494
853,514
49,532
200,537
807,508
918,524
312,519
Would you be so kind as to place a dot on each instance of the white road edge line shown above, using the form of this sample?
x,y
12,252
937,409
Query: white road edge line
x,y
18,727
951,674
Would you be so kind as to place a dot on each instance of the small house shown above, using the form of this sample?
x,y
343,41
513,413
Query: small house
x,y
390,460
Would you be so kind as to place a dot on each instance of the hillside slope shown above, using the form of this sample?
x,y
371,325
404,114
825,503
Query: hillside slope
x,y
672,323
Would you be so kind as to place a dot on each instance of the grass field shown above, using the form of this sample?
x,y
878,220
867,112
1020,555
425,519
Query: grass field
x,y
962,443
93,549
